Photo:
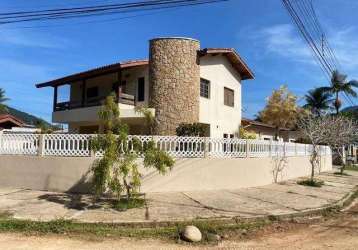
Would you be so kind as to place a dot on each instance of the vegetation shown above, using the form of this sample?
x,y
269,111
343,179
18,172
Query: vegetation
x,y
104,230
340,84
335,131
317,101
246,134
191,129
351,168
281,110
3,99
117,171
311,183
149,117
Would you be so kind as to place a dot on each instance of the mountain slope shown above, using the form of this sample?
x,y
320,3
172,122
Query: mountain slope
x,y
27,118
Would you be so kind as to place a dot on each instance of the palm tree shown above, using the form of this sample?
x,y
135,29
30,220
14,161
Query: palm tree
x,y
3,99
317,101
339,84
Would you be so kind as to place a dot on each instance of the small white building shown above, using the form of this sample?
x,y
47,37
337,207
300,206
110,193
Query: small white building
x,y
179,83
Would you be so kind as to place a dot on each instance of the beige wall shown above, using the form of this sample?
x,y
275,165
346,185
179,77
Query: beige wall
x,y
71,173
105,82
222,119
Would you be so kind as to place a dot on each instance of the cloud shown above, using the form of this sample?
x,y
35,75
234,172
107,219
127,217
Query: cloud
x,y
32,39
345,45
22,71
283,40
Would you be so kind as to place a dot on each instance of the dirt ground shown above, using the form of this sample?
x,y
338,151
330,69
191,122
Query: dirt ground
x,y
336,232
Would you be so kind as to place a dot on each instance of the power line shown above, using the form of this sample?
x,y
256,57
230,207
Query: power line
x,y
304,17
98,10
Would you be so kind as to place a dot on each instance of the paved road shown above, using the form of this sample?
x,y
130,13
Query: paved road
x,y
275,199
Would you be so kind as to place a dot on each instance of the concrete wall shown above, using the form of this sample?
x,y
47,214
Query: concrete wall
x,y
71,173
222,119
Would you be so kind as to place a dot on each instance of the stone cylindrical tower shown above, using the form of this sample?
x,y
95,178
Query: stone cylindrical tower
x,y
174,74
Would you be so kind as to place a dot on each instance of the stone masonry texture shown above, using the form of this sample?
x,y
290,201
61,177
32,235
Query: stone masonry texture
x,y
174,74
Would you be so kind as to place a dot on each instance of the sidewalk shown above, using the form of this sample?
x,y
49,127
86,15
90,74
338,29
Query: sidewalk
x,y
274,199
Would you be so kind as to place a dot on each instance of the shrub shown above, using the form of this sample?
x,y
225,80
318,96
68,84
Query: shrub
x,y
191,129
311,183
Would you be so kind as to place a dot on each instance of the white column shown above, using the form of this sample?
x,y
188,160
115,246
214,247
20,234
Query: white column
x,y
41,149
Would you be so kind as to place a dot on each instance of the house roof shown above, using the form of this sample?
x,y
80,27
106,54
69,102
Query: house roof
x,y
231,54
111,68
10,118
237,62
249,122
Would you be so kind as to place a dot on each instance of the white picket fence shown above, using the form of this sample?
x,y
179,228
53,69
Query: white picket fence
x,y
78,145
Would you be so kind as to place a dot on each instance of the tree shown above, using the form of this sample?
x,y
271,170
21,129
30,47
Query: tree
x,y
317,101
246,134
315,130
117,170
339,84
281,110
3,99
334,131
148,116
342,132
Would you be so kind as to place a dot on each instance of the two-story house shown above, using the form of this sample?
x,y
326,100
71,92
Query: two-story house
x,y
179,83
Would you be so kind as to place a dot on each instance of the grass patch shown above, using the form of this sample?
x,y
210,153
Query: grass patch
x,y
351,168
124,204
342,174
99,231
311,183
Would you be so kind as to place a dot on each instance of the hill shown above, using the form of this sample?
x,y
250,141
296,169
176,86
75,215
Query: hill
x,y
28,118
350,109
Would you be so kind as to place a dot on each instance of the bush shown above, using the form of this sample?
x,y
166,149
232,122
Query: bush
x,y
191,129
311,183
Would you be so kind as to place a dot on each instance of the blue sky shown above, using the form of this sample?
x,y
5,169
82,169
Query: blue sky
x,y
260,30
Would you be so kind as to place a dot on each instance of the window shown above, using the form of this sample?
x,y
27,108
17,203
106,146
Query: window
x,y
92,92
204,88
229,97
140,89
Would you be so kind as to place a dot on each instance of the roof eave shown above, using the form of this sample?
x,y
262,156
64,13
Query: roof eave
x,y
92,73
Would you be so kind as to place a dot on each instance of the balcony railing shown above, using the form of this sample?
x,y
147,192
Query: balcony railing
x,y
96,101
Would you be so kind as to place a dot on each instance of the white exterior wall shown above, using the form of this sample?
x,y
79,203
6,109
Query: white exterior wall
x,y
222,119
217,69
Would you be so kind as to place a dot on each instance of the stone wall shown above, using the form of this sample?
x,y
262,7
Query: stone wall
x,y
174,75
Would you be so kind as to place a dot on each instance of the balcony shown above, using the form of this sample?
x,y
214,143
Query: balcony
x,y
68,112
91,102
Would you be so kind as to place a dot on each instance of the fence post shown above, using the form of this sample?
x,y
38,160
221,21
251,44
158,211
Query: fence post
x,y
1,146
270,148
284,149
247,148
206,147
41,145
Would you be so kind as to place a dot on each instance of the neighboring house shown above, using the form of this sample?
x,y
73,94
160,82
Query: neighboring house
x,y
8,122
180,83
266,131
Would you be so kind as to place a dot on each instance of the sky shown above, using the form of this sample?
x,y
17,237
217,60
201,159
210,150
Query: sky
x,y
260,30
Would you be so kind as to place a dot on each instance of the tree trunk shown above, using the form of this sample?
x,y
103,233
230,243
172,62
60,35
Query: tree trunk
x,y
128,189
277,133
313,161
336,104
